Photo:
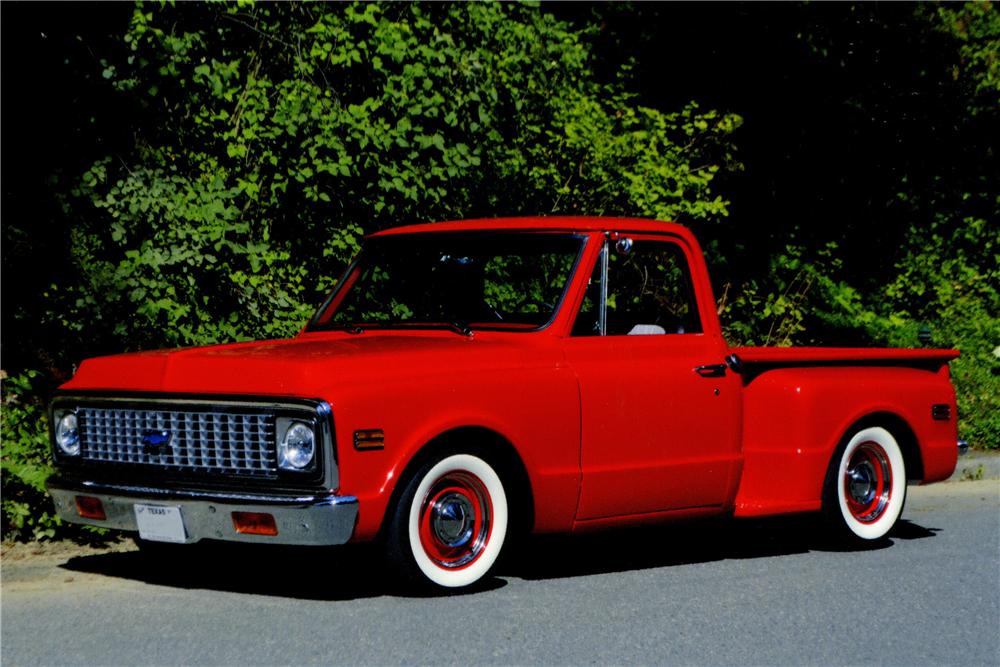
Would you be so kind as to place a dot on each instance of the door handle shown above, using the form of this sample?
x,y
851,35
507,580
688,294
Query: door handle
x,y
711,370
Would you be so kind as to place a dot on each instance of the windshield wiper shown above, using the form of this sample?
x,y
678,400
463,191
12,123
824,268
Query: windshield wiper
x,y
350,327
460,328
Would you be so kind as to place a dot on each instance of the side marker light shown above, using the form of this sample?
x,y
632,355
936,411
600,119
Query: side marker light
x,y
941,412
369,439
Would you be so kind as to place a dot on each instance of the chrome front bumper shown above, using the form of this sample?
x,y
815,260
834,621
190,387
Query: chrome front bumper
x,y
305,520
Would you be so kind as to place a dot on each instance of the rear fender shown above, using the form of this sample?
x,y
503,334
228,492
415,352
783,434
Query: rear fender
x,y
796,417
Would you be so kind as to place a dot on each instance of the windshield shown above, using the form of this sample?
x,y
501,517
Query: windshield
x,y
505,280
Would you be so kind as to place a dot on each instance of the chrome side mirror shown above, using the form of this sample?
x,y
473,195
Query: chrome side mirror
x,y
624,245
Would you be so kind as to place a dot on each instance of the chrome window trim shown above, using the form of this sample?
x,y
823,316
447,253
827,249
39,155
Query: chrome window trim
x,y
602,307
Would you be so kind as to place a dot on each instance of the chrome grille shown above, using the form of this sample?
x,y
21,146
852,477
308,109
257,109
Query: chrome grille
x,y
240,443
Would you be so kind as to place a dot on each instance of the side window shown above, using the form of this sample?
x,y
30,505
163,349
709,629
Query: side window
x,y
649,292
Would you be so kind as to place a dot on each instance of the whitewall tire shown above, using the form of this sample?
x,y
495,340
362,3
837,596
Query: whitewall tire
x,y
451,521
866,486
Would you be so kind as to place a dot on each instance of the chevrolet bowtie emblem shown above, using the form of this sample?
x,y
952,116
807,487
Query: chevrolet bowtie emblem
x,y
156,442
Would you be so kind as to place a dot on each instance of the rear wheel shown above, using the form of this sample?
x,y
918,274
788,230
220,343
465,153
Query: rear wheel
x,y
450,523
866,485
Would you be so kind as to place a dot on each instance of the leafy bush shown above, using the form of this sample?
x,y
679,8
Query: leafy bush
x,y
949,280
939,265
267,139
946,282
274,136
25,464
254,145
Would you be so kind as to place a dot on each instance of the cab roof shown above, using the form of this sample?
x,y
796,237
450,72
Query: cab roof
x,y
553,223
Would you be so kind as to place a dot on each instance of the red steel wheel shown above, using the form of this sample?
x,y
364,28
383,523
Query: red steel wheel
x,y
451,522
866,486
456,520
868,482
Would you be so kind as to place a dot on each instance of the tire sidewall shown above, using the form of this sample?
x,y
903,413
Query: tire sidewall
x,y
409,521
897,496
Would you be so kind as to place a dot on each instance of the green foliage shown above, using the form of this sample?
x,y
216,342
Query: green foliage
x,y
950,279
275,135
27,510
974,474
265,140
245,149
947,279
942,271
948,275
771,311
976,25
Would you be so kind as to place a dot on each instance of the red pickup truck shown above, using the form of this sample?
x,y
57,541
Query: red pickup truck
x,y
467,380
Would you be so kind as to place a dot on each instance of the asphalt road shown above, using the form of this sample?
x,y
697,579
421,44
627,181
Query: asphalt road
x,y
762,592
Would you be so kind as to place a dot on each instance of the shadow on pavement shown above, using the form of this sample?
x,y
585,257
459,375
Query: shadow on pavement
x,y
907,530
355,572
336,573
558,556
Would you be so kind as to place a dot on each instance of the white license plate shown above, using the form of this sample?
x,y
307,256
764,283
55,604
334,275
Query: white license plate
x,y
160,524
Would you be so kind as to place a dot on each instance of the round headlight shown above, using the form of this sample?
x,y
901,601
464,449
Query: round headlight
x,y
67,435
298,447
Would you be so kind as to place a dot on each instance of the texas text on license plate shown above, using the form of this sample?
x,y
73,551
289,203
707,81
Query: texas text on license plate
x,y
160,523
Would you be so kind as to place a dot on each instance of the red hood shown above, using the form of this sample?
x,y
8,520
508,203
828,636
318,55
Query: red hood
x,y
311,365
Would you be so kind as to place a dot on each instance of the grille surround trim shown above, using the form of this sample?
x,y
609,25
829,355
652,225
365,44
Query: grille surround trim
x,y
149,412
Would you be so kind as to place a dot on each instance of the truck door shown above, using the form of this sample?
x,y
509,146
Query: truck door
x,y
660,413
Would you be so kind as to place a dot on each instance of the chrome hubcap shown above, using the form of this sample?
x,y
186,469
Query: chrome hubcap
x,y
455,520
862,482
868,482
452,519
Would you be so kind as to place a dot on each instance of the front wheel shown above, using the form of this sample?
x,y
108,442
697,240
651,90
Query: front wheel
x,y
450,523
866,485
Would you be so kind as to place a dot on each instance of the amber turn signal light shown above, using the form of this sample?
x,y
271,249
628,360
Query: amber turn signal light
x,y
254,523
90,508
369,439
